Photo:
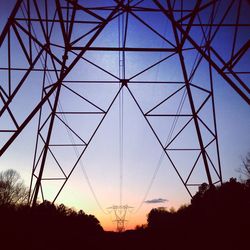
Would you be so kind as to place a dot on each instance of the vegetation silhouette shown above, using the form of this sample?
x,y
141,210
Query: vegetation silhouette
x,y
217,218
245,168
12,188
46,226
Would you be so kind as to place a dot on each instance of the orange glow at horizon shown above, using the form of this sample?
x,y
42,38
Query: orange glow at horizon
x,y
124,161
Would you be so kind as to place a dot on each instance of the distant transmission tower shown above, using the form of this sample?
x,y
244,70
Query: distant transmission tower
x,y
120,213
56,56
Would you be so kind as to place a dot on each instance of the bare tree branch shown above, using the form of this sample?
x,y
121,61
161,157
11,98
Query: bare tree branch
x,y
12,188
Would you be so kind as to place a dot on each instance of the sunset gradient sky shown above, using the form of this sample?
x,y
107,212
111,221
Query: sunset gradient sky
x,y
141,151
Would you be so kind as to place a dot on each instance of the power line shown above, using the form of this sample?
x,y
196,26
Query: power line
x,y
158,165
174,124
121,103
49,78
81,163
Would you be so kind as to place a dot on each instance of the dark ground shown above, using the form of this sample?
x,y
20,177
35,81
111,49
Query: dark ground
x,y
217,218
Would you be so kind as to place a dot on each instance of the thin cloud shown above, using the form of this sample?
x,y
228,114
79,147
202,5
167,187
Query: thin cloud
x,y
153,201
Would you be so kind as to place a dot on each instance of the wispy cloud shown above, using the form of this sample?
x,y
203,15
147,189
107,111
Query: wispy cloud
x,y
159,200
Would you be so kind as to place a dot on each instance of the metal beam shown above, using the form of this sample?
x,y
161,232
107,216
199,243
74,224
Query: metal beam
x,y
209,59
9,22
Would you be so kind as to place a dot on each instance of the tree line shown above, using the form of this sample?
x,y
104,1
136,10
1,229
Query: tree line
x,y
218,217
45,226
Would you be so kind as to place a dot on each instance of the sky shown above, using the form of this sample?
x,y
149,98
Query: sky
x,y
148,179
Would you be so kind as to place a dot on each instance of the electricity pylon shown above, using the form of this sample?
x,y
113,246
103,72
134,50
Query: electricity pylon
x,y
120,213
54,51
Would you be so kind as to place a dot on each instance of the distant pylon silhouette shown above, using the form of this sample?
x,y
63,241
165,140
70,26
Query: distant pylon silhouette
x,y
120,213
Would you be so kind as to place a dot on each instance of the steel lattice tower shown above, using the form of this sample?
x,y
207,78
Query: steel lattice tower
x,y
120,213
47,43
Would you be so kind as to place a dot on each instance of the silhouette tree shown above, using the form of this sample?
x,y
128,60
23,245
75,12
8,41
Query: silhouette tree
x,y
222,210
245,170
12,188
160,219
